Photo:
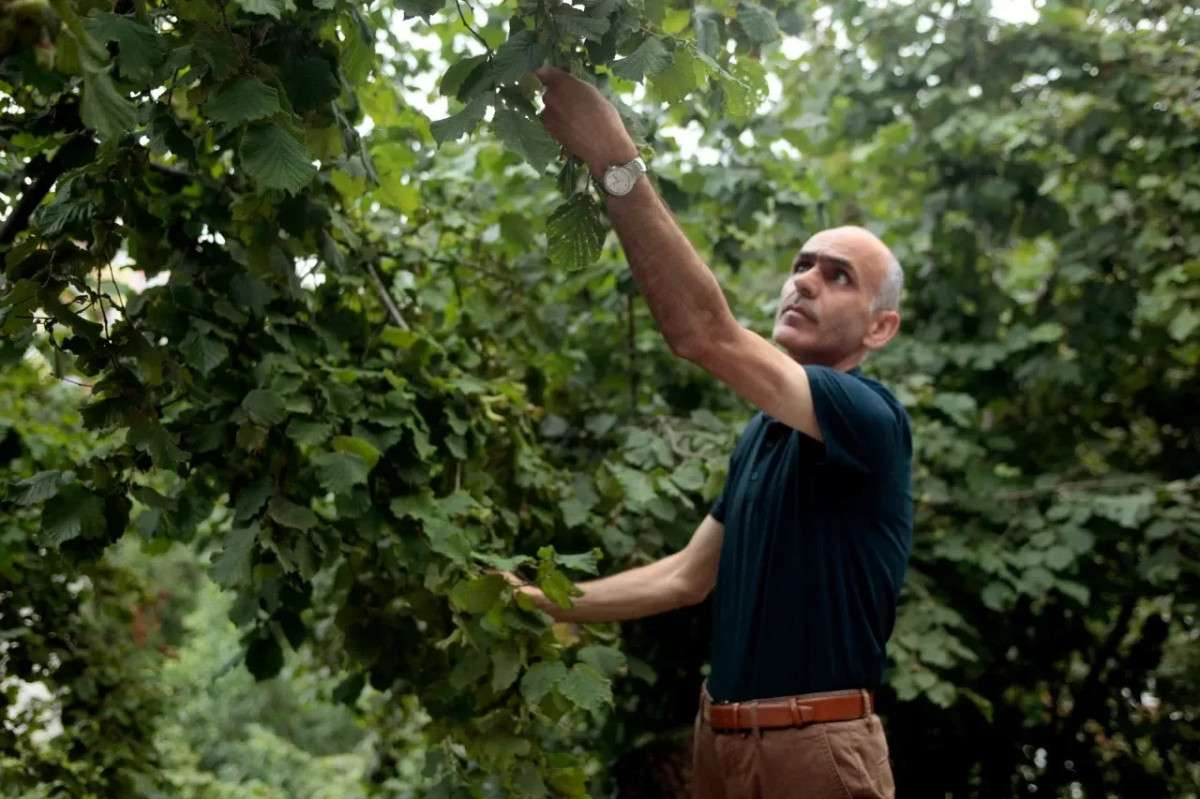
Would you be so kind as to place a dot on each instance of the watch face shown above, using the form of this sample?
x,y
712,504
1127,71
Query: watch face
x,y
619,181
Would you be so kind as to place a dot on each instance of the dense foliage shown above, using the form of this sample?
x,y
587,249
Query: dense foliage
x,y
375,366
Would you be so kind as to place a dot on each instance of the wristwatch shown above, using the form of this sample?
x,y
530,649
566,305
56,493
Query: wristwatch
x,y
619,179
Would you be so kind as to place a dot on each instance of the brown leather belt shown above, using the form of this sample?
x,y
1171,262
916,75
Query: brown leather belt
x,y
788,711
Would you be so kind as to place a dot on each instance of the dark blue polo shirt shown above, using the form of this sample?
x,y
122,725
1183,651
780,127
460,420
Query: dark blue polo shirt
x,y
816,545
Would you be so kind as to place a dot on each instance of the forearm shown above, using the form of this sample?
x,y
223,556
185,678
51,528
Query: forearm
x,y
682,292
644,591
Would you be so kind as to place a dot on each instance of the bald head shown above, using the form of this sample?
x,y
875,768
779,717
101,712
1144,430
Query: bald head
x,y
878,268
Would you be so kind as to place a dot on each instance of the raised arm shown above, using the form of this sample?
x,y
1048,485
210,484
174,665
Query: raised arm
x,y
683,294
684,578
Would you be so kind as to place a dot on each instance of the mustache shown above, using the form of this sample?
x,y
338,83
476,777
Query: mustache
x,y
799,306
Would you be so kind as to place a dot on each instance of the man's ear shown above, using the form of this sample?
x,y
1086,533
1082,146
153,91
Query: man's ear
x,y
884,326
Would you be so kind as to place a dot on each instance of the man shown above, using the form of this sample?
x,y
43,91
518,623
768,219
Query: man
x,y
808,543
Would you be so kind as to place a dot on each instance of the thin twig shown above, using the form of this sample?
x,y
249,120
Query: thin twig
x,y
384,295
121,304
458,4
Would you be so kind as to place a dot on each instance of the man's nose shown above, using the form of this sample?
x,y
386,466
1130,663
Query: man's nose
x,y
806,285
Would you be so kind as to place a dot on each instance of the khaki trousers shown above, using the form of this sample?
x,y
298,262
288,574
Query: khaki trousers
x,y
828,760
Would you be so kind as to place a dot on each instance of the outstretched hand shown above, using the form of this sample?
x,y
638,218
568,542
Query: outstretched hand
x,y
580,118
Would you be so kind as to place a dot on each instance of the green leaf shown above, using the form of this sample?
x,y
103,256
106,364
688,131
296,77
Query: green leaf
x,y
250,293
457,74
310,82
586,688
689,475
575,232
273,8
156,441
685,74
516,57
588,562
635,484
141,49
202,352
42,486
576,23
75,511
264,658
574,512
541,679
479,594
454,127
341,471
557,587
525,137
650,58
275,159
251,499
506,665
357,446
245,101
231,569
758,23
607,660
103,108
289,514
264,407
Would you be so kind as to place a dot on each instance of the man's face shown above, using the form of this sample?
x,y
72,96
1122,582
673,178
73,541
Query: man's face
x,y
824,314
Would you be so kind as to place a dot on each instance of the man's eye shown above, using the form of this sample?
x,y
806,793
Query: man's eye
x,y
842,277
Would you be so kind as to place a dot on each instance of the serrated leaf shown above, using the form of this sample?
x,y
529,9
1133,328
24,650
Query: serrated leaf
x,y
453,127
635,484
685,74
525,137
308,431
156,441
42,486
520,54
275,159
745,87
650,58
576,23
202,352
264,407
245,101
607,660
341,471
251,499
587,562
758,23
75,511
289,514
586,688
231,568
575,232
141,48
541,679
103,108
479,594
689,476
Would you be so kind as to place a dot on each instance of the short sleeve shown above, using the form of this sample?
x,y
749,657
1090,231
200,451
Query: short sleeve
x,y
717,511
860,429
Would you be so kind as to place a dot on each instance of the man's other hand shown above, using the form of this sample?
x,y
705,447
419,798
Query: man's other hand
x,y
580,118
